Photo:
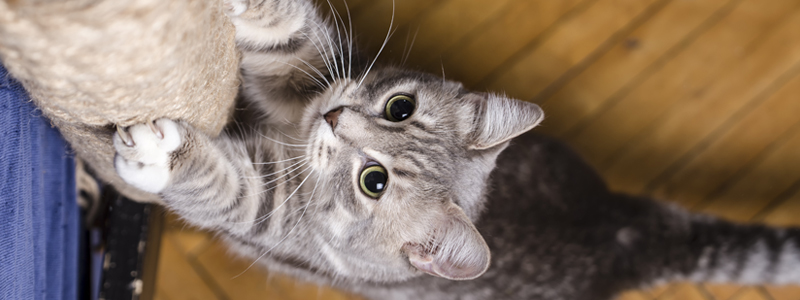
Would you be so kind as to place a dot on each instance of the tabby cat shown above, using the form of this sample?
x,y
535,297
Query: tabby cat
x,y
401,185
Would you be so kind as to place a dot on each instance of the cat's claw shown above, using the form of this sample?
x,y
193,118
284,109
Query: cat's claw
x,y
125,136
143,153
235,7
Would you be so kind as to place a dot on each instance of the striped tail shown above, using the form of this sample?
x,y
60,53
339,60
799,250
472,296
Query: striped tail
x,y
678,245
745,254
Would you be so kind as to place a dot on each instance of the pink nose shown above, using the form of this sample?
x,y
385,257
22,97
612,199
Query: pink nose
x,y
332,117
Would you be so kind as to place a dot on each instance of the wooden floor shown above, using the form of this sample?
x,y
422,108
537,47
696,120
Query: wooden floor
x,y
692,101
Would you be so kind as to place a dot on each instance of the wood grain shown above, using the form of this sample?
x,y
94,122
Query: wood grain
x,y
695,102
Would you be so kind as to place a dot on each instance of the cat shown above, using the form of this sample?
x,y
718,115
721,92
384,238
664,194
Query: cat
x,y
396,184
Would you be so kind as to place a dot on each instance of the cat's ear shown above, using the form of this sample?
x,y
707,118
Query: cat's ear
x,y
455,250
498,119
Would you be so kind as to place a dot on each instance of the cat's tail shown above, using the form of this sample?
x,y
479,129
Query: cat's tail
x,y
707,249
745,254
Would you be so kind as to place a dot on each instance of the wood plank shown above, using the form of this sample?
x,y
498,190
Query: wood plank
x,y
645,49
188,238
659,290
633,295
684,291
175,273
733,150
445,25
527,74
785,214
722,291
521,24
161,295
769,178
371,23
749,293
783,292
695,117
257,283
701,67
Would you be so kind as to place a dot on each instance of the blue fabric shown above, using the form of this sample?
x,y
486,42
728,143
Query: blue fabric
x,y
39,218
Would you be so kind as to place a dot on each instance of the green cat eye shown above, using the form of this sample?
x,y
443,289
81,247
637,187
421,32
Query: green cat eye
x,y
373,181
400,107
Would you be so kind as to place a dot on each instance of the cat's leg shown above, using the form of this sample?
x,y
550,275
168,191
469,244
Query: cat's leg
x,y
288,53
206,181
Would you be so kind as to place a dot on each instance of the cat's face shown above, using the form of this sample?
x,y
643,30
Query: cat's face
x,y
403,162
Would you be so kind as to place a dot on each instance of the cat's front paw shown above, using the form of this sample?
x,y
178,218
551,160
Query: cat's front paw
x,y
143,153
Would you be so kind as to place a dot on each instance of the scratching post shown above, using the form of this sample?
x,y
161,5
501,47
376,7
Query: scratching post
x,y
90,65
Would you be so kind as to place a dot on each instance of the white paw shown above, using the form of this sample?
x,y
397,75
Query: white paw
x,y
235,7
143,153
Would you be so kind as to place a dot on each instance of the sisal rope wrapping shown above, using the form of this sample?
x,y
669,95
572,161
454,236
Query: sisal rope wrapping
x,y
91,64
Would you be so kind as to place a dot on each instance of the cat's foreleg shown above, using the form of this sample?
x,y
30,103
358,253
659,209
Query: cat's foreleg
x,y
288,53
204,180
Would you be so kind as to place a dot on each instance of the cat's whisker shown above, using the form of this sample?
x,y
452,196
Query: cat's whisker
x,y
319,83
333,52
284,175
289,136
323,77
327,44
280,161
282,143
287,234
339,36
287,180
268,215
281,183
323,54
349,41
443,77
336,18
408,53
385,41
275,209
304,161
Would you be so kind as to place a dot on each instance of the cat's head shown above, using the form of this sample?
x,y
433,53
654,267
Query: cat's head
x,y
403,161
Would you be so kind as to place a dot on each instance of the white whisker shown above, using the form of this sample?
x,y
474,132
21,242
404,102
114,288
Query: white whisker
x,y
280,161
304,161
282,183
320,48
289,136
327,59
319,83
315,70
349,41
406,54
287,234
282,143
443,77
333,52
347,36
284,175
385,41
275,209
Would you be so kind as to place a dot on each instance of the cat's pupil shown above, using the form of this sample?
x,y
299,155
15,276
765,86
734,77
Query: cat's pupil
x,y
375,181
401,109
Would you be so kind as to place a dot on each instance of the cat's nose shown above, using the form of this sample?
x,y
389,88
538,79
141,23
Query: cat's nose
x,y
332,117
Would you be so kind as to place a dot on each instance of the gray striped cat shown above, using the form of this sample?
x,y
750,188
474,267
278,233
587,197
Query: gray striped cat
x,y
401,185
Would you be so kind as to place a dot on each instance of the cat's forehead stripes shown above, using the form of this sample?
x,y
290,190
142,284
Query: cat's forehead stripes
x,y
386,83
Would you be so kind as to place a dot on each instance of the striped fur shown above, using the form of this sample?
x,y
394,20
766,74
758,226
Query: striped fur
x,y
281,184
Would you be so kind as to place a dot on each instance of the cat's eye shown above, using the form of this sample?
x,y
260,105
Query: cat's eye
x,y
373,180
400,107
